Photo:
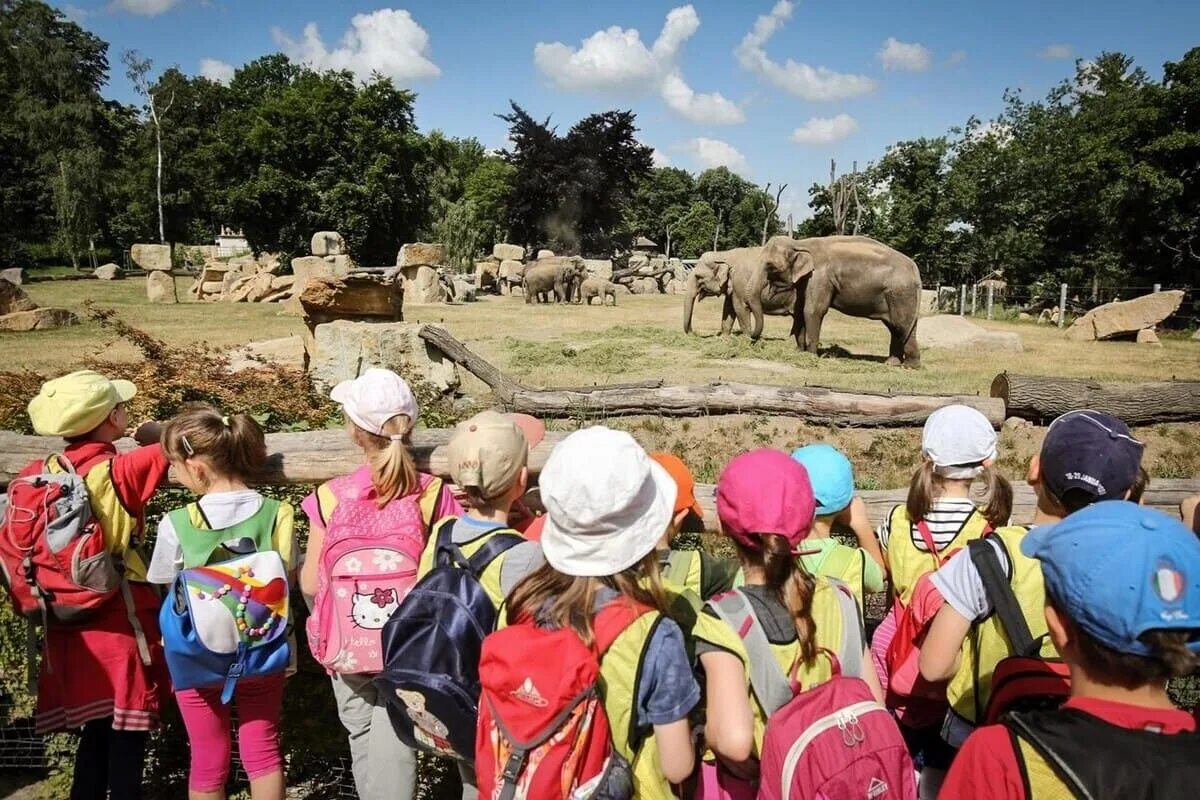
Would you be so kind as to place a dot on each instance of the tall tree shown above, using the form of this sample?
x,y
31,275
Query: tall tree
x,y
157,103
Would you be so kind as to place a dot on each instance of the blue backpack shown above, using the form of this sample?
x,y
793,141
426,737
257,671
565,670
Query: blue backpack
x,y
227,620
431,648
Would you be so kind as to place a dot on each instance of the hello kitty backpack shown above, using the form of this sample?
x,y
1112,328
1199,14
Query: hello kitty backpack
x,y
368,564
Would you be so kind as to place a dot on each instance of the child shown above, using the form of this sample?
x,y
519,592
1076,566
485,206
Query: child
x,y
105,675
380,414
765,504
1123,610
1086,457
692,571
861,568
607,506
216,456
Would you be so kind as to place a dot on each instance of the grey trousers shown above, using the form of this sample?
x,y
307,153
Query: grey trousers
x,y
384,768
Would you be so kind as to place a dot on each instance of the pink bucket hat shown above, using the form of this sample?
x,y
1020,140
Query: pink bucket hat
x,y
765,491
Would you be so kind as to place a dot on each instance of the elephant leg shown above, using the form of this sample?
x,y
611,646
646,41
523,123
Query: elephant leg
x,y
902,324
745,321
814,315
727,316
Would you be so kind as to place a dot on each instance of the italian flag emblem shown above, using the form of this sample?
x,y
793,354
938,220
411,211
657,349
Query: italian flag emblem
x,y
1168,584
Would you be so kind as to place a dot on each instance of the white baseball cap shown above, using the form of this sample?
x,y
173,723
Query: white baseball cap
x,y
607,503
958,439
374,397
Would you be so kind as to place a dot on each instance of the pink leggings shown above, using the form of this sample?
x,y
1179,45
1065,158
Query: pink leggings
x,y
208,726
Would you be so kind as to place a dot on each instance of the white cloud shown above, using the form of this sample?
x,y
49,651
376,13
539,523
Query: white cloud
x,y
144,8
825,130
709,153
898,56
388,41
794,202
810,83
616,59
1057,51
659,158
75,13
216,70
956,58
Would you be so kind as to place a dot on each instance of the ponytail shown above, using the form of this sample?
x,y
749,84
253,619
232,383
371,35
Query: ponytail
x,y
1000,497
791,584
393,471
234,445
920,491
923,487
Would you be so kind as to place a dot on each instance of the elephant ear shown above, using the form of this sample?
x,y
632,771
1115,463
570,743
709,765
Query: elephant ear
x,y
800,263
721,271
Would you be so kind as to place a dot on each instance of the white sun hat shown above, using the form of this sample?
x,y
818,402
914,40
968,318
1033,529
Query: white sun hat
x,y
958,439
374,397
607,503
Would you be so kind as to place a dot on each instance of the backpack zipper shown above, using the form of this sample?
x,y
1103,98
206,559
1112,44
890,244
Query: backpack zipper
x,y
845,719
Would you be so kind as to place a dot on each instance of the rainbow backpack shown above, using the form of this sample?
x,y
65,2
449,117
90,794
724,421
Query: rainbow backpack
x,y
226,620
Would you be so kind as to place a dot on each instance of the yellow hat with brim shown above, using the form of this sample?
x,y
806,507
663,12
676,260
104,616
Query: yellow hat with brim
x,y
77,403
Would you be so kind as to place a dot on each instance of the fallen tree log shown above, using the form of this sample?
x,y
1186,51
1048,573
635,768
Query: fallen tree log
x,y
815,403
1041,398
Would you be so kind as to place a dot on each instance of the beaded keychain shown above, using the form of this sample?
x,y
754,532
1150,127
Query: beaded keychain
x,y
245,628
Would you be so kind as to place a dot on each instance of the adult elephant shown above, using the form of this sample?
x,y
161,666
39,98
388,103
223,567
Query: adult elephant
x,y
854,274
559,276
731,274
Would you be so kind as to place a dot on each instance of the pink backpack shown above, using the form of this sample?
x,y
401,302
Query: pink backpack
x,y
368,564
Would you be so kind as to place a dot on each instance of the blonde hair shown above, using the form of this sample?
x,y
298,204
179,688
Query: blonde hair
x,y
548,596
393,471
234,445
790,583
925,487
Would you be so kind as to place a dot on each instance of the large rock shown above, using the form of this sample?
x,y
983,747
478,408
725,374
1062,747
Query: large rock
x,y
504,252
151,257
952,332
600,267
351,297
160,287
252,289
1126,317
38,319
327,243
13,298
416,253
282,281
341,265
108,272
344,348
545,254
286,352
464,291
1148,336
304,268
14,275
423,286
486,273
929,302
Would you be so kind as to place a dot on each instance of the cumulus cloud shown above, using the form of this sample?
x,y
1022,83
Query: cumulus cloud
x,y
216,70
388,41
1057,51
616,59
709,153
956,58
144,8
808,82
825,130
75,13
898,56
659,158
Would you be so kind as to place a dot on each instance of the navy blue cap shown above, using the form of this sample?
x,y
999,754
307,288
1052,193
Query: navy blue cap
x,y
1119,569
1091,451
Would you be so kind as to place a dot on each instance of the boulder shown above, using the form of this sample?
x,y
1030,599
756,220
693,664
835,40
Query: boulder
x,y
639,261
929,302
649,286
160,287
674,286
505,252
13,298
464,291
344,348
38,319
1024,317
151,257
282,281
486,273
600,267
952,332
327,243
14,275
341,265
677,269
252,289
545,254
108,272
622,289
304,268
1148,336
212,287
423,286
510,268
239,290
286,352
416,253
1126,316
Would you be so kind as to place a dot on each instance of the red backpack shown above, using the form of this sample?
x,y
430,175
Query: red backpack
x,y
542,728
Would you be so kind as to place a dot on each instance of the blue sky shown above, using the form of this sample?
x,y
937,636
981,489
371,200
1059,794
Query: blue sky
x,y
772,90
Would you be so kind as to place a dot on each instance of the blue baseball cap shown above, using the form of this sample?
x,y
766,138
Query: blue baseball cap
x,y
1119,569
1091,451
831,476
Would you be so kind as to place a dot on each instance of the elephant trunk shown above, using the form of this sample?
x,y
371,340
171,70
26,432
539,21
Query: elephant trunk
x,y
690,295
756,309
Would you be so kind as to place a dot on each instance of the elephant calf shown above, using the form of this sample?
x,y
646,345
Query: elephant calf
x,y
598,287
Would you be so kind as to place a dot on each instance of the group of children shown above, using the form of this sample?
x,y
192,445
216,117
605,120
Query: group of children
x,y
690,675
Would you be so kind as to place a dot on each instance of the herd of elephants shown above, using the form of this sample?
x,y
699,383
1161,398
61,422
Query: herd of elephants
x,y
801,278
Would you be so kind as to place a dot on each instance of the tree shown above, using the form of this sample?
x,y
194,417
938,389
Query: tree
x,y
76,189
137,69
488,189
722,190
659,200
770,207
696,236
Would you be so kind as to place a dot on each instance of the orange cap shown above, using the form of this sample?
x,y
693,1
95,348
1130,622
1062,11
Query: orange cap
x,y
685,497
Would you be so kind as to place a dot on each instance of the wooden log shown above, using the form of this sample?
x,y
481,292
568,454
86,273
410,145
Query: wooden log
x,y
1041,398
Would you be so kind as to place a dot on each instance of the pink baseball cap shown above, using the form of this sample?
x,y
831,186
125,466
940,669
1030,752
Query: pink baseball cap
x,y
765,491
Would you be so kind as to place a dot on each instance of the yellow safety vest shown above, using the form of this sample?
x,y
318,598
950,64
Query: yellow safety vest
x,y
489,579
848,565
1040,777
122,530
683,572
907,563
986,643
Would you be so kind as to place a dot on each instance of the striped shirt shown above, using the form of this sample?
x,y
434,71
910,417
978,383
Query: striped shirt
x,y
945,519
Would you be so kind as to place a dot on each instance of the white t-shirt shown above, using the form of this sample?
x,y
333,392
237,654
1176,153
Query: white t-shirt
x,y
945,519
959,582
222,510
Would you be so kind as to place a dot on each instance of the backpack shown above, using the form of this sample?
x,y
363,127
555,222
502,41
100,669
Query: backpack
x,y
1024,681
228,620
368,565
431,648
543,731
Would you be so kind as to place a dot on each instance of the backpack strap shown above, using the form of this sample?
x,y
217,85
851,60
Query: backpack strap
x,y
927,537
999,590
447,552
850,651
1020,727
613,620
768,681
495,546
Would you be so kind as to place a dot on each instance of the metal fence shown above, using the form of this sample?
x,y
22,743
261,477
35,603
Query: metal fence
x,y
1056,304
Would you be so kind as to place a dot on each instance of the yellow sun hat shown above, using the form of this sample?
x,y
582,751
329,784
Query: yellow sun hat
x,y
77,403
